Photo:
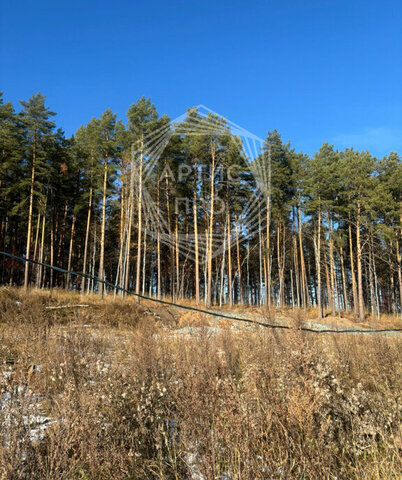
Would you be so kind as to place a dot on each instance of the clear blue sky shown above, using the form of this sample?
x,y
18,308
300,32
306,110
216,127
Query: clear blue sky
x,y
317,70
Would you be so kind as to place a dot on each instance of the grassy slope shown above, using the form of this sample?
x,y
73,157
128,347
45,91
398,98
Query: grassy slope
x,y
130,398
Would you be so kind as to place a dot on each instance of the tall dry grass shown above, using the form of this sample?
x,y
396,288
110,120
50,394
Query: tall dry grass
x,y
127,398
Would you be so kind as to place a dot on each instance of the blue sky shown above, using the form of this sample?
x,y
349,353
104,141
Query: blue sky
x,y
317,70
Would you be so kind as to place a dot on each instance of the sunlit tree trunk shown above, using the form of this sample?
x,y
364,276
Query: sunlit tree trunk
x,y
103,223
268,247
303,281
30,214
344,285
399,274
70,249
295,259
222,280
130,221
158,246
139,225
352,272
230,283
333,293
327,280
196,252
210,228
239,276
359,263
84,266
41,250
260,261
177,257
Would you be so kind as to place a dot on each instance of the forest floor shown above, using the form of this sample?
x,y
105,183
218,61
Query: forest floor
x,y
108,388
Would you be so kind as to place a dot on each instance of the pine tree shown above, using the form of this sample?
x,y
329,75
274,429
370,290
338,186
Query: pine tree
x,y
37,129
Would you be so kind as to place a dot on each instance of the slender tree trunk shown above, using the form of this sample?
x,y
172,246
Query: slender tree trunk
x,y
268,247
195,217
52,229
260,254
222,283
144,258
399,268
333,293
295,259
36,237
137,280
230,284
344,285
41,249
239,277
318,266
327,280
158,247
93,260
268,259
122,233
210,228
376,300
130,221
84,266
70,250
280,259
352,272
103,224
172,262
177,257
319,293
60,246
302,264
371,282
30,214
359,263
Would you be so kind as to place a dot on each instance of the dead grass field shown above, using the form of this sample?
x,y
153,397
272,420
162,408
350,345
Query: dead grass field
x,y
121,391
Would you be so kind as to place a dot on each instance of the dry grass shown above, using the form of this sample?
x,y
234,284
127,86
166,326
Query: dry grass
x,y
128,398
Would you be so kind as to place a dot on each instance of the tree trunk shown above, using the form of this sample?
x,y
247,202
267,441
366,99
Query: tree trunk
x,y
60,246
318,266
333,293
158,247
359,263
144,259
30,213
137,280
327,280
295,259
302,264
238,263
344,285
130,221
103,224
280,259
260,254
352,272
222,282
52,229
70,250
122,233
84,266
230,284
268,252
195,219
177,257
41,250
210,228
